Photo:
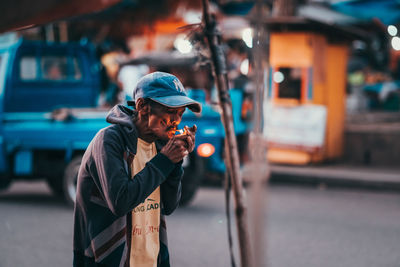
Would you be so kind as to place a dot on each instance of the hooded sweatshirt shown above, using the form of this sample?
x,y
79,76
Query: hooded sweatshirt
x,y
106,194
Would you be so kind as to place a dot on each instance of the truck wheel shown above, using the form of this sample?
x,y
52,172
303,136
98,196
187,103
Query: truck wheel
x,y
5,182
54,176
55,184
192,177
70,179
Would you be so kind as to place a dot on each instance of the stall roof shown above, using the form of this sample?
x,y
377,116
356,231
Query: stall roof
x,y
334,33
326,14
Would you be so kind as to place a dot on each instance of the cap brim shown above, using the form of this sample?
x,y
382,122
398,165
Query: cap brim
x,y
178,101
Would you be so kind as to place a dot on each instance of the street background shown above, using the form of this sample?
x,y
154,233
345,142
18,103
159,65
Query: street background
x,y
315,83
307,226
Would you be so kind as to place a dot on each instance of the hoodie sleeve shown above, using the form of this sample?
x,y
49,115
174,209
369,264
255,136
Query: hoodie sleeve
x,y
171,190
121,193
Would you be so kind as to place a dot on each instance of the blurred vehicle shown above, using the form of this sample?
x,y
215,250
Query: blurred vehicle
x,y
48,111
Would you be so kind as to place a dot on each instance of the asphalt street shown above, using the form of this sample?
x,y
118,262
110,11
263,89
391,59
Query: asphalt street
x,y
303,227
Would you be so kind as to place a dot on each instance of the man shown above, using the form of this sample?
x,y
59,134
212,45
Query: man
x,y
130,177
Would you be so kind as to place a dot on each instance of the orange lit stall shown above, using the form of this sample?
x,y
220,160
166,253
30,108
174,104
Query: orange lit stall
x,y
305,111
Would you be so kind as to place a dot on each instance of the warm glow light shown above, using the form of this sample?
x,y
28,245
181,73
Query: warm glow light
x,y
182,44
247,36
396,43
205,150
392,30
278,77
244,67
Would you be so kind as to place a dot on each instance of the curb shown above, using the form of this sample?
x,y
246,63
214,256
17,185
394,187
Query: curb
x,y
337,177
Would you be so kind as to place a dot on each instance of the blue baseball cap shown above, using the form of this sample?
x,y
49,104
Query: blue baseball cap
x,y
166,89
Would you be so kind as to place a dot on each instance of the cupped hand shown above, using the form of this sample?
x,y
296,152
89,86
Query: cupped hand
x,y
175,149
189,137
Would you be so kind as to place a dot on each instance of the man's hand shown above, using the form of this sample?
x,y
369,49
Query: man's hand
x,y
189,137
175,149
181,145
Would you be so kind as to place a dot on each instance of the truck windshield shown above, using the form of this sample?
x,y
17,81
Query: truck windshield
x,y
28,68
54,67
49,68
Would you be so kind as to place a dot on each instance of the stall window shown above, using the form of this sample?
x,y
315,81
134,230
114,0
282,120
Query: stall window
x,y
28,68
289,82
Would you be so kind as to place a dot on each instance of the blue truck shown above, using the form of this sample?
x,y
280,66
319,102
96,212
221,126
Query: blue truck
x,y
49,113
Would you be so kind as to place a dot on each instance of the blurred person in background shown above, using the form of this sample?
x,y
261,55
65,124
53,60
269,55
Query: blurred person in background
x,y
112,92
130,177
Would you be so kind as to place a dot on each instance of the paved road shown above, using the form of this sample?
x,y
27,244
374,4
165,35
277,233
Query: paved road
x,y
310,227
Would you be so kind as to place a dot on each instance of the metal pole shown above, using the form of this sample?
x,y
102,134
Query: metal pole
x,y
258,166
232,157
63,31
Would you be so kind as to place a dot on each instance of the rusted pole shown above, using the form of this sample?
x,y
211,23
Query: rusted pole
x,y
232,157
284,8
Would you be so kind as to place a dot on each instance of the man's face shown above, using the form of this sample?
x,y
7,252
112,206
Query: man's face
x,y
163,121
